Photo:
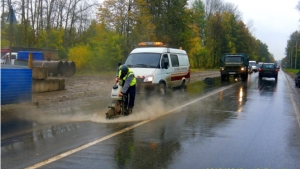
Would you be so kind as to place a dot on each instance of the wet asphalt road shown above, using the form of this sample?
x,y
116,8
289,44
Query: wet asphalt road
x,y
236,125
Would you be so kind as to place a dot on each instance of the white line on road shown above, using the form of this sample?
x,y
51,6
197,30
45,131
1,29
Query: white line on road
x,y
55,158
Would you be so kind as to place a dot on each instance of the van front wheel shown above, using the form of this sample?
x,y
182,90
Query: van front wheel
x,y
162,89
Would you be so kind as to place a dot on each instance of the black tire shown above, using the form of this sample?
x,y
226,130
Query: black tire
x,y
129,111
223,77
182,87
244,77
126,113
227,78
162,89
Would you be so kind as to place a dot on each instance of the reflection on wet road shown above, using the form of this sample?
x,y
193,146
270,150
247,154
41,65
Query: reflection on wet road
x,y
227,125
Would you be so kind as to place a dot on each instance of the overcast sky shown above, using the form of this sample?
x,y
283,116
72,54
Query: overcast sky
x,y
274,21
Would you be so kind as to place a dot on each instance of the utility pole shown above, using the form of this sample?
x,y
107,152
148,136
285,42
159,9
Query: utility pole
x,y
291,57
128,30
296,40
10,28
2,7
11,19
296,54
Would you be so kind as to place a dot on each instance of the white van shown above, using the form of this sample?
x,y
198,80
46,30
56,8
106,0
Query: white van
x,y
5,59
158,68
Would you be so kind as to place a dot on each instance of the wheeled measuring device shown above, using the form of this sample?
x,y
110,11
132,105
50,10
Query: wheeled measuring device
x,y
117,107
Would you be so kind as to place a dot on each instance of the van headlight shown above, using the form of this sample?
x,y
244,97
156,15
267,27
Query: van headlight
x,y
148,79
243,68
221,68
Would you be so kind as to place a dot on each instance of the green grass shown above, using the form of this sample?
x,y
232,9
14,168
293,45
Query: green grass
x,y
291,71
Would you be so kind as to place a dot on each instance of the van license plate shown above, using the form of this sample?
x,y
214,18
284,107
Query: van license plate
x,y
232,73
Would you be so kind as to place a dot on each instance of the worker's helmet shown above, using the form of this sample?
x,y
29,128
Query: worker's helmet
x,y
124,69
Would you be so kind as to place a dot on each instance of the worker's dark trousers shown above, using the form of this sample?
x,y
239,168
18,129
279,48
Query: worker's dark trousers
x,y
130,96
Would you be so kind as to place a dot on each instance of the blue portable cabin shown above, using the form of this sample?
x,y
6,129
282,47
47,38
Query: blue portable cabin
x,y
16,84
37,55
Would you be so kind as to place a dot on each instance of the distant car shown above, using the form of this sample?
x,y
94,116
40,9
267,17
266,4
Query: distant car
x,y
259,65
253,65
278,67
297,79
268,70
250,69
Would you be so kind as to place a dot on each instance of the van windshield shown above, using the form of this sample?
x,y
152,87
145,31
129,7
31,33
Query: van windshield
x,y
233,59
143,60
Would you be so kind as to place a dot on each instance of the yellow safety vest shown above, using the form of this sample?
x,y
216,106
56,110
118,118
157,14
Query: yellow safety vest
x,y
130,72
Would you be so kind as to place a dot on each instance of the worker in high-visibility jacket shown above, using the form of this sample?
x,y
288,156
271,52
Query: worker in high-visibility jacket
x,y
128,80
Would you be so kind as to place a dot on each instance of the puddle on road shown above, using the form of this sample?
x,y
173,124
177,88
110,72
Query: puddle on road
x,y
145,108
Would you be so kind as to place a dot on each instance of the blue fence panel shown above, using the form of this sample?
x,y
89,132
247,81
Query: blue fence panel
x,y
16,85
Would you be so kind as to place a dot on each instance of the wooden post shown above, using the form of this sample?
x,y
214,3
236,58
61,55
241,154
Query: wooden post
x,y
30,60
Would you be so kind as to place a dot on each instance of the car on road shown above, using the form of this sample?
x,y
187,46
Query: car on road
x,y
268,70
297,79
250,69
259,65
253,65
278,67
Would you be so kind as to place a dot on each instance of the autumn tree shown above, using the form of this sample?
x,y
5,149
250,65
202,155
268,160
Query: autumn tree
x,y
262,51
292,49
101,51
199,18
38,20
206,30
142,30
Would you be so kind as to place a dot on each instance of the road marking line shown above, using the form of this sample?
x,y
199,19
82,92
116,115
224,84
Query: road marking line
x,y
55,158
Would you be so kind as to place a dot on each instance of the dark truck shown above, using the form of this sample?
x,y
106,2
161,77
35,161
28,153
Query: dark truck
x,y
235,65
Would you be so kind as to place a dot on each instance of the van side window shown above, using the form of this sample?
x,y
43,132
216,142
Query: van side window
x,y
165,59
174,60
